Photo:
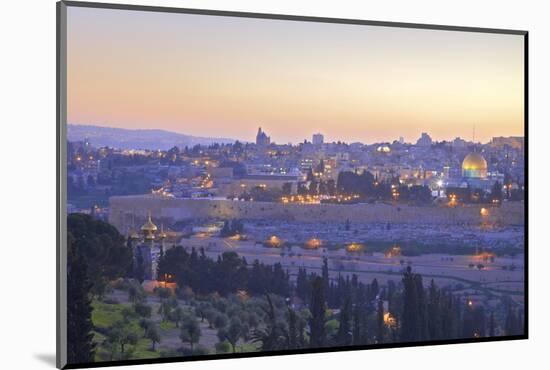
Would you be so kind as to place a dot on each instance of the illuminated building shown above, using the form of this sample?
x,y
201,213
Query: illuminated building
x,y
147,247
474,166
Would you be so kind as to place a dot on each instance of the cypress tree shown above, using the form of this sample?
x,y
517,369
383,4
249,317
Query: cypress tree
x,y
492,325
374,289
343,337
380,322
80,346
325,277
293,336
422,323
357,325
411,328
317,321
434,313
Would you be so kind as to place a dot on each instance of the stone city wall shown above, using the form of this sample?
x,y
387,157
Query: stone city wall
x,y
127,211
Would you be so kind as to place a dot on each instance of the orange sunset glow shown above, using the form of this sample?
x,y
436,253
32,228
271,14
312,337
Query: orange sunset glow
x,y
225,76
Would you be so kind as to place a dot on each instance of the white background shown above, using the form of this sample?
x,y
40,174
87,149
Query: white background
x,y
27,206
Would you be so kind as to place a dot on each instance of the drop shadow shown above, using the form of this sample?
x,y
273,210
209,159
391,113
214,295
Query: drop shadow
x,y
47,358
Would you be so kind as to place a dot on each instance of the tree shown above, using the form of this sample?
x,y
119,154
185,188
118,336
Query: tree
x,y
343,337
80,346
139,266
492,325
412,327
273,335
374,289
142,309
317,308
325,276
164,310
135,293
176,315
190,331
380,326
210,315
434,313
152,333
163,293
293,335
102,249
232,332
122,334
202,309
303,286
223,347
358,330
220,321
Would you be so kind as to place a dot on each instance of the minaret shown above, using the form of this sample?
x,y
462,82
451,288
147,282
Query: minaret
x,y
162,237
148,247
134,236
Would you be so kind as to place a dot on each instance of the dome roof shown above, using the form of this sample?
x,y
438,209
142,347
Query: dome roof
x,y
162,234
474,165
149,225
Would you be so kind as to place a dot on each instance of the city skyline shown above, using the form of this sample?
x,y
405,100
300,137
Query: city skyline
x,y
308,139
235,74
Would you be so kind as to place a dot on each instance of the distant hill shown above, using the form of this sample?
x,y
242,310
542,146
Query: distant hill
x,y
137,139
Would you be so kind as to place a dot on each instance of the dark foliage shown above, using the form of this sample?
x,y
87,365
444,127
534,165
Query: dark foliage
x,y
80,348
225,275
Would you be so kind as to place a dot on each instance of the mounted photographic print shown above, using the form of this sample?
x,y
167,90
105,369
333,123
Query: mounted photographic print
x,y
236,184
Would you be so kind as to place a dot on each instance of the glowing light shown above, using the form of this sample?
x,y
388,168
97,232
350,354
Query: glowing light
x,y
453,200
274,241
355,247
389,320
394,251
313,243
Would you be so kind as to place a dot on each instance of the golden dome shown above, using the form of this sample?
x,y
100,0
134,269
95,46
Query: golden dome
x,y
162,234
149,226
474,165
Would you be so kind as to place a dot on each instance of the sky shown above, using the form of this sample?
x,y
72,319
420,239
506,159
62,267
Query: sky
x,y
226,76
